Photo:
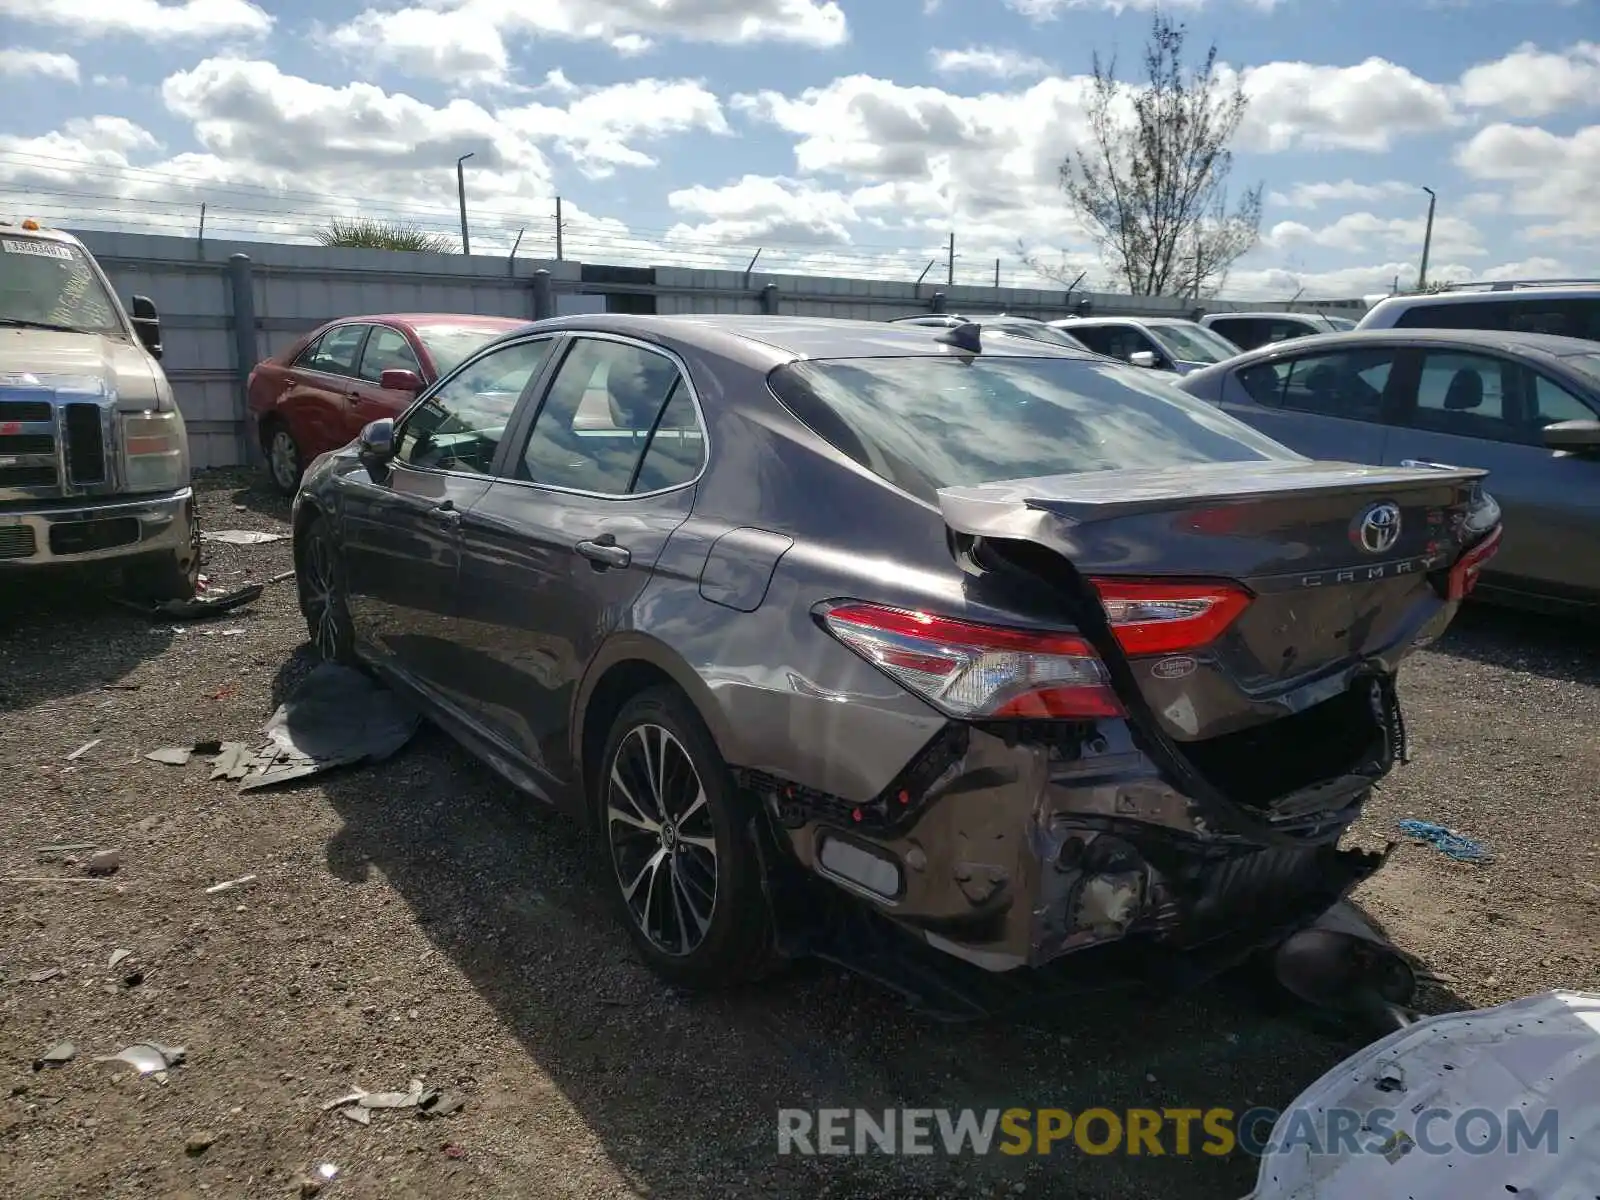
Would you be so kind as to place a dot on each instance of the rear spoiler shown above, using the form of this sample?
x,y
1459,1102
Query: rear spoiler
x,y
993,509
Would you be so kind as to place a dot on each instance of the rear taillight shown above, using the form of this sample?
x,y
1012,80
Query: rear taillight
x,y
978,671
1169,618
1463,576
988,671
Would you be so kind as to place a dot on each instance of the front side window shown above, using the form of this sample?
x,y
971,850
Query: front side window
x,y
335,352
596,422
460,425
926,423
1466,395
1553,403
46,284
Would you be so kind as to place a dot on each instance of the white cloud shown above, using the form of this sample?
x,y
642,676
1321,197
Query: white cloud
x,y
441,37
151,20
19,63
1363,232
1346,191
427,43
598,126
1297,105
1530,82
1546,175
987,60
1349,283
1049,10
758,208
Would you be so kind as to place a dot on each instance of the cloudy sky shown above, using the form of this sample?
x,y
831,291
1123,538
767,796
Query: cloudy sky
x,y
843,135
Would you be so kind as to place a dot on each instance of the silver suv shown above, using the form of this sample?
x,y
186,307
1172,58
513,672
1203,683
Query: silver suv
x,y
94,457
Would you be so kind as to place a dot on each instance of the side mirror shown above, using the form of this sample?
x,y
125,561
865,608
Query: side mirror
x,y
1143,358
1579,437
399,379
375,446
146,324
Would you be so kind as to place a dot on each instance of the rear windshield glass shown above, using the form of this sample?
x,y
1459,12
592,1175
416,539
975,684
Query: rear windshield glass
x,y
1340,323
926,423
452,345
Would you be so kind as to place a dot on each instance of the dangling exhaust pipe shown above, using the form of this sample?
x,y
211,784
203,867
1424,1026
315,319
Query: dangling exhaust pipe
x,y
1342,964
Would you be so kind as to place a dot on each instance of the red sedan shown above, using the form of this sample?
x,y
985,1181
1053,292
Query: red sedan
x,y
319,393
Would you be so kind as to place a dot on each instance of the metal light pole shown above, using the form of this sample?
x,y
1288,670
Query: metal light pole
x,y
1427,241
461,195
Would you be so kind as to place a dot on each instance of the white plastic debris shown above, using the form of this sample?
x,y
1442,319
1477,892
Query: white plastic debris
x,y
117,956
147,1057
83,749
1515,1095
229,884
242,537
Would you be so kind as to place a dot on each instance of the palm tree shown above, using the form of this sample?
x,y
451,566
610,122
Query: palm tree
x,y
369,234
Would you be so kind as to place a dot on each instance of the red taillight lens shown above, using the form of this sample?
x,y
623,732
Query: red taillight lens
x,y
978,671
1464,575
1169,618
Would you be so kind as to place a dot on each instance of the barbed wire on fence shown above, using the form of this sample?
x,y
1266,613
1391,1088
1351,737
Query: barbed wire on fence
x,y
189,207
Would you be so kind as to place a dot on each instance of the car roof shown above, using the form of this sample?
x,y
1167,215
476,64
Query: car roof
x,y
1532,295
1491,339
1068,322
1263,314
763,342
443,318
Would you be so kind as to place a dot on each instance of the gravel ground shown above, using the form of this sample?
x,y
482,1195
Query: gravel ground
x,y
418,920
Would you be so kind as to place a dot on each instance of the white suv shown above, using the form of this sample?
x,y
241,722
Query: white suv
x,y
1571,310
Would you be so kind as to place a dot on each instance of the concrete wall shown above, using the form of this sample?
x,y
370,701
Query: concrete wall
x,y
295,288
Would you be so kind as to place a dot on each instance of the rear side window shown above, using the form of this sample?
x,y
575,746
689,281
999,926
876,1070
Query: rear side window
x,y
1531,313
932,422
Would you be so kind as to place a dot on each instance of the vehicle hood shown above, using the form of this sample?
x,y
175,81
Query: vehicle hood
x,y
120,366
1538,1057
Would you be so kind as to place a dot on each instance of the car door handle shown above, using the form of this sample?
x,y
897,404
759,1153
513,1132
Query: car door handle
x,y
604,554
446,513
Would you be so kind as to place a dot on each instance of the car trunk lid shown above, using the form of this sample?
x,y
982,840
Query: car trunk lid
x,y
1336,557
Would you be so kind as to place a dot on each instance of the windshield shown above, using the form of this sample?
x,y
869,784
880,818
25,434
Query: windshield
x,y
926,423
452,345
1193,343
1587,364
51,285
1039,332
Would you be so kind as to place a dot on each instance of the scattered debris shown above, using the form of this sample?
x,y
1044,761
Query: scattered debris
x,y
147,1057
58,1055
228,884
281,577
67,847
121,687
44,976
202,606
361,1116
310,1185
337,717
451,1150
242,537
232,760
440,1104
103,862
84,749
175,756
199,1143
133,979
1447,841
343,1100
118,956
359,1104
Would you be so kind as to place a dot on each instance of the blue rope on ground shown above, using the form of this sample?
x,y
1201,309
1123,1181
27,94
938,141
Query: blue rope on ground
x,y
1446,841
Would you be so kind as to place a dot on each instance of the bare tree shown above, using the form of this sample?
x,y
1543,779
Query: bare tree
x,y
1152,186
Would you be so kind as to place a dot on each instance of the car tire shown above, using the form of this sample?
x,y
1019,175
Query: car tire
x,y
681,862
285,462
171,577
319,579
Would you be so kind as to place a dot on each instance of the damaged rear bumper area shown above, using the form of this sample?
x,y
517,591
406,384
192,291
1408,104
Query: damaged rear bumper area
x,y
1014,846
